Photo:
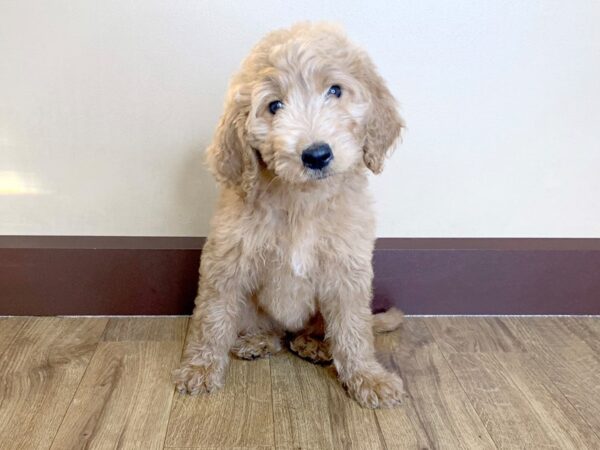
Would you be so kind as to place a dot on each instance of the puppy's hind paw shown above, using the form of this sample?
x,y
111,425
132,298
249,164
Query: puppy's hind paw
x,y
256,346
311,348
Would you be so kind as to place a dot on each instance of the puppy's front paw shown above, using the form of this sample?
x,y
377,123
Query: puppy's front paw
x,y
376,389
193,380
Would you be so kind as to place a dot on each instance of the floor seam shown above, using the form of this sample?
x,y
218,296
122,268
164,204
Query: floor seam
x,y
272,404
173,387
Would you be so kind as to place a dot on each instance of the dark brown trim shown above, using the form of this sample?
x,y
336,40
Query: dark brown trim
x,y
520,244
196,243
69,275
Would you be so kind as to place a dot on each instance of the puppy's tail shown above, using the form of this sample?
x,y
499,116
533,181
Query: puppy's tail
x,y
387,321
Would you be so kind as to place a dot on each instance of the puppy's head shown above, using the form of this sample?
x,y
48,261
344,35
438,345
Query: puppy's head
x,y
306,105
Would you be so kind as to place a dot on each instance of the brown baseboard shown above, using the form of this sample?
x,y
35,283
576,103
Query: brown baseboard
x,y
94,275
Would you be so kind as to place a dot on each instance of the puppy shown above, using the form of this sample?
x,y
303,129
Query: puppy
x,y
291,241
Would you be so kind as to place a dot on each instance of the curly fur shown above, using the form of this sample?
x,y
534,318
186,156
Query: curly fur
x,y
288,244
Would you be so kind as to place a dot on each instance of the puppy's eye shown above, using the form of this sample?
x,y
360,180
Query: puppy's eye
x,y
335,90
274,106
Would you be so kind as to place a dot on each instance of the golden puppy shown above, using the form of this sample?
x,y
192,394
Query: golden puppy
x,y
292,237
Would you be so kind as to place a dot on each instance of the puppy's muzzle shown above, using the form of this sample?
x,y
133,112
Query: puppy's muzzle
x,y
317,156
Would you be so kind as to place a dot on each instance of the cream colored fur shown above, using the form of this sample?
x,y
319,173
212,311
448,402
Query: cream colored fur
x,y
288,243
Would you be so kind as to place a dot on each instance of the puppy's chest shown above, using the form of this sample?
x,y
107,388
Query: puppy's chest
x,y
290,254
302,258
286,282
291,250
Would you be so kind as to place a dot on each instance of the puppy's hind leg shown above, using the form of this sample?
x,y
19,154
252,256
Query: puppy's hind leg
x,y
256,345
258,336
310,343
312,348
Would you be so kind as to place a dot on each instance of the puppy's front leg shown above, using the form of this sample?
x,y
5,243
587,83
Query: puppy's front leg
x,y
348,318
212,332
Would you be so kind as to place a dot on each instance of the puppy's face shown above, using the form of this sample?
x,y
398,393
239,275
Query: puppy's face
x,y
306,105
307,120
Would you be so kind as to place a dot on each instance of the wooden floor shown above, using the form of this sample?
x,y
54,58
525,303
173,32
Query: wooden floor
x,y
471,382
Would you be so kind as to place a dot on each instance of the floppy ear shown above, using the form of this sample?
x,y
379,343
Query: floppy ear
x,y
229,156
384,124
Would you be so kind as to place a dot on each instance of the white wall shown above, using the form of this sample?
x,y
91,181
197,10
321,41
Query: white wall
x,y
105,108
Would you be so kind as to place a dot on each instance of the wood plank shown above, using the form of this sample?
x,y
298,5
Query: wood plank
x,y
471,334
587,329
437,408
124,398
222,448
542,332
9,327
519,406
567,360
402,427
146,329
352,426
300,412
549,403
239,415
40,372
312,410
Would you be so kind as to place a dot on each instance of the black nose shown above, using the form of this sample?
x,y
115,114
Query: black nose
x,y
317,156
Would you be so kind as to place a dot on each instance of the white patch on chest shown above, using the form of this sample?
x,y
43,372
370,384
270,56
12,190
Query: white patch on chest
x,y
298,264
301,257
